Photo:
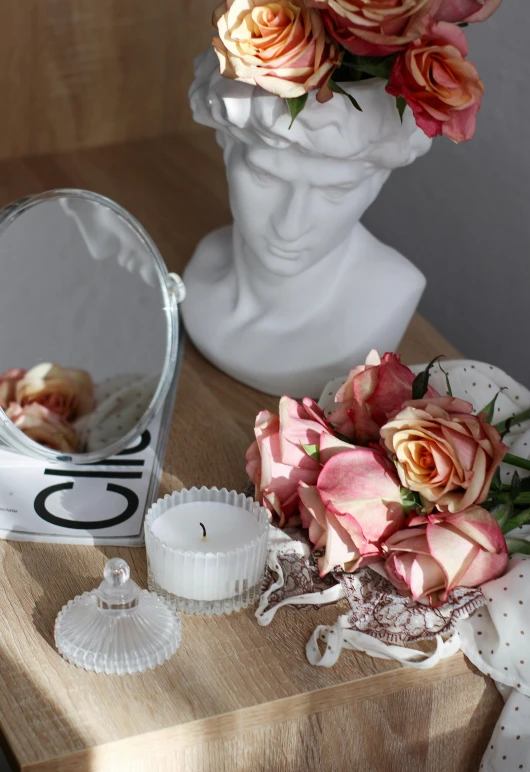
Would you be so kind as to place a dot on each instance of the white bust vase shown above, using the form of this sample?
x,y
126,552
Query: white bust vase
x,y
297,291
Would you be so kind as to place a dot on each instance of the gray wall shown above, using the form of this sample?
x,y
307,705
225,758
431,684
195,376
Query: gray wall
x,y
462,213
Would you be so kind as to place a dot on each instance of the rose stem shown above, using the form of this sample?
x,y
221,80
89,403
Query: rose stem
x,y
524,463
203,531
518,419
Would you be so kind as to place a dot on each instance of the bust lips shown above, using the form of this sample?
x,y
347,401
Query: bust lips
x,y
287,254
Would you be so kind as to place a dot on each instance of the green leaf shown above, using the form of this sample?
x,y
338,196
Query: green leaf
x,y
489,411
515,486
312,450
296,105
522,518
503,513
401,104
376,66
339,90
525,485
518,545
411,501
421,381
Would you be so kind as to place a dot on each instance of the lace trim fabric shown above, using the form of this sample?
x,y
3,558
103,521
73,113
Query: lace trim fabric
x,y
376,608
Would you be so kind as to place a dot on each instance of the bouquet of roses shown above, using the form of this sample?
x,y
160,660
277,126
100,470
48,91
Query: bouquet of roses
x,y
397,474
291,47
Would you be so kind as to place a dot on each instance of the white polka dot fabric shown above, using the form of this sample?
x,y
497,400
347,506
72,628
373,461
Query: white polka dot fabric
x,y
121,402
509,747
497,641
497,637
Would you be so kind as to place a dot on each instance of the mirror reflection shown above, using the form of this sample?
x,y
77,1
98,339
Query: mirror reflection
x,y
85,319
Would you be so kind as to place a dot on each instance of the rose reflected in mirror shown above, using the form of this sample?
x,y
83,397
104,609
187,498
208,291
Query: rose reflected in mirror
x,y
45,401
45,427
65,391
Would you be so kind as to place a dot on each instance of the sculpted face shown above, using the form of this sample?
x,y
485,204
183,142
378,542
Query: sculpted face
x,y
293,209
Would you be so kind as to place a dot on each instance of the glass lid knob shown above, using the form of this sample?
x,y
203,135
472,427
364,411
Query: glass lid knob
x,y
117,628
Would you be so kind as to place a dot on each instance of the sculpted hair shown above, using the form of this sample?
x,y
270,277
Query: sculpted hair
x,y
334,130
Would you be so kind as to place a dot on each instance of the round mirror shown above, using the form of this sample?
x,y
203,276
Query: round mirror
x,y
89,327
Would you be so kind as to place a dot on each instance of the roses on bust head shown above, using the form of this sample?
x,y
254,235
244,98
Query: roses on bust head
x,y
443,90
375,27
67,392
370,394
444,452
429,560
281,46
44,426
466,10
277,461
8,384
354,507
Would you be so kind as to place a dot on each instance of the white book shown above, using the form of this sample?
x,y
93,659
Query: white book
x,y
103,503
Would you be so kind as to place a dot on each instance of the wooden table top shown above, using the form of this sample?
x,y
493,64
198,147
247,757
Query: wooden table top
x,y
229,675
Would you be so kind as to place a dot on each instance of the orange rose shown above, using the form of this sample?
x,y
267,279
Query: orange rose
x,y
443,90
68,393
45,427
375,27
444,452
281,46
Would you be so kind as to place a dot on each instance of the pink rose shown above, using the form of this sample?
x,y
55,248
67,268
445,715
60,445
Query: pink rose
x,y
44,426
277,461
65,391
8,383
443,90
281,46
428,561
355,505
370,394
375,27
444,452
466,10
345,546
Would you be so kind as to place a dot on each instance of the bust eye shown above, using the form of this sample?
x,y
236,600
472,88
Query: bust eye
x,y
335,193
261,176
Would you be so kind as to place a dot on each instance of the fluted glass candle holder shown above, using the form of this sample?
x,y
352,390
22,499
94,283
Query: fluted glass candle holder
x,y
206,550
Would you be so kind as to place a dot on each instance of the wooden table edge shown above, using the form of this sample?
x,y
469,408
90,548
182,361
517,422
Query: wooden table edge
x,y
161,742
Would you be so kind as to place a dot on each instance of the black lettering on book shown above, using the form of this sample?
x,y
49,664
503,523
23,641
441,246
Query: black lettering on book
x,y
89,525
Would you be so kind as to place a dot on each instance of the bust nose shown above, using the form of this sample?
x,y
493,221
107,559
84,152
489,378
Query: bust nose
x,y
290,217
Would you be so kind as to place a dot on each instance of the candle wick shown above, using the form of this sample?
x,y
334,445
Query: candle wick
x,y
203,531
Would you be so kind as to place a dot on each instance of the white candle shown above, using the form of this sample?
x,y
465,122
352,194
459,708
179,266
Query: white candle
x,y
208,564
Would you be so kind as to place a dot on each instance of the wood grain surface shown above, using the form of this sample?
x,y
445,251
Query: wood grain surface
x,y
78,73
235,696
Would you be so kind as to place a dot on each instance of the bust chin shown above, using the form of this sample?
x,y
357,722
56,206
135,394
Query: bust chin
x,y
297,291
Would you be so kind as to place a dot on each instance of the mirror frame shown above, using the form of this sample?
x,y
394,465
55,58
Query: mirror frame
x,y
173,292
